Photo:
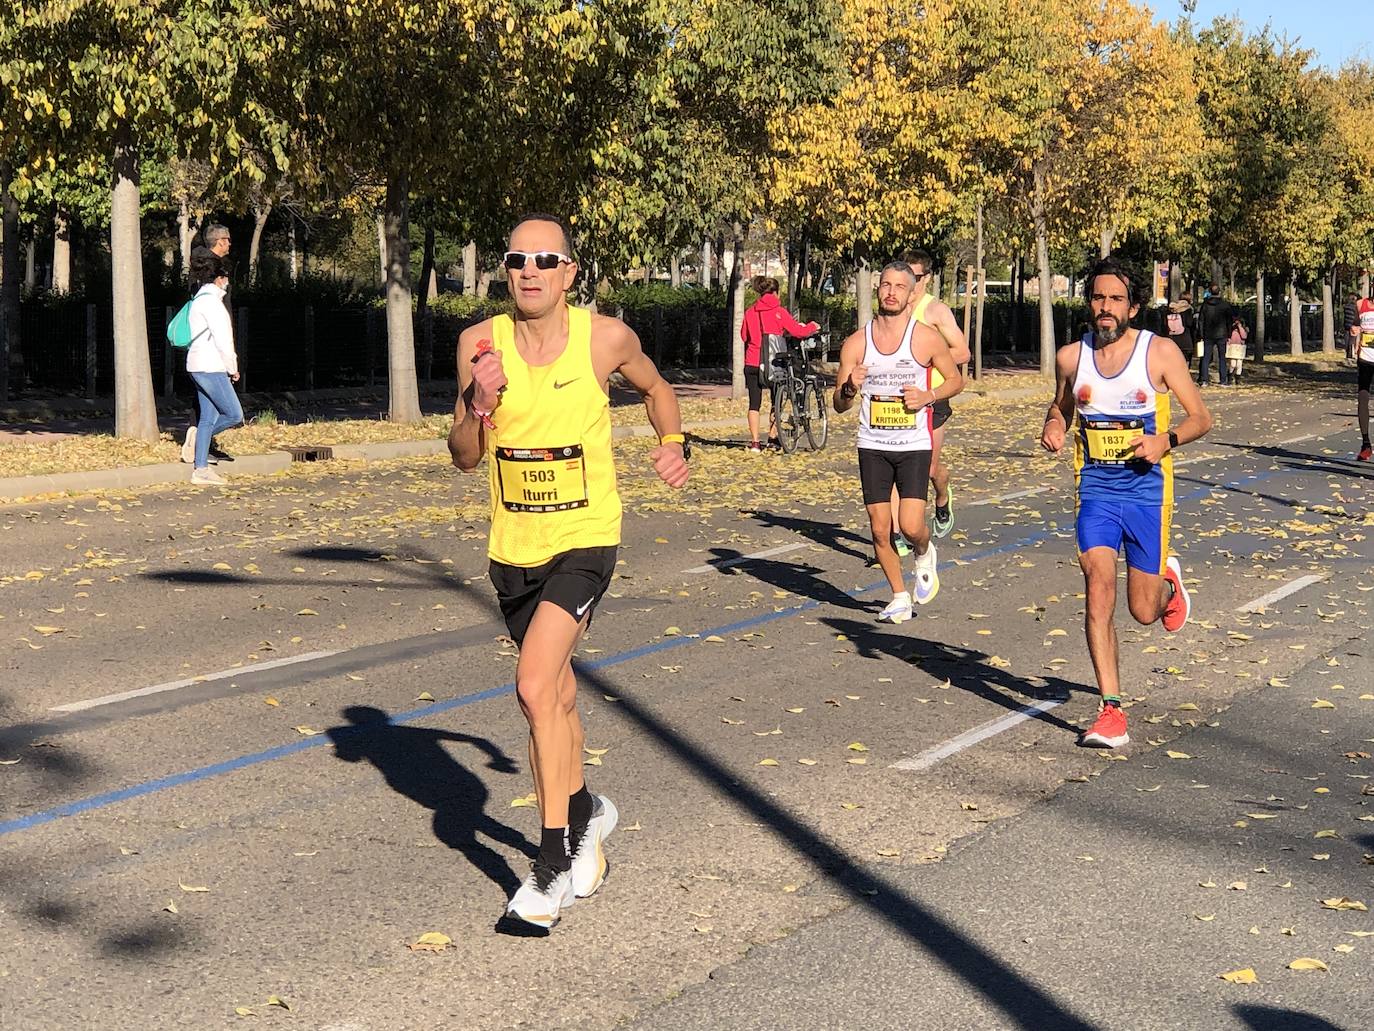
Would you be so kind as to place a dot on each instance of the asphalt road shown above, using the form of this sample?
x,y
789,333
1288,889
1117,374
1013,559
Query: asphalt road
x,y
927,846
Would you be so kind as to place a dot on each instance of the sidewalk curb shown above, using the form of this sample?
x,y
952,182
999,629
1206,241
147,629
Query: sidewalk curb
x,y
17,488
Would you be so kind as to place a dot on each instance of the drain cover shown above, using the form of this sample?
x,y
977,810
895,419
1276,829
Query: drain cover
x,y
311,453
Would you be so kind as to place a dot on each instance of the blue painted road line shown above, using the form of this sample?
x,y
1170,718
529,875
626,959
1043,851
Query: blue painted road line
x,y
150,787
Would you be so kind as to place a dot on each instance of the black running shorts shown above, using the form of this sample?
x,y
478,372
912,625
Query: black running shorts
x,y
940,414
1365,372
574,581
879,470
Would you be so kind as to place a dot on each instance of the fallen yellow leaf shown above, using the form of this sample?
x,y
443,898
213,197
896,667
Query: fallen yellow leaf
x,y
1245,976
1307,963
430,941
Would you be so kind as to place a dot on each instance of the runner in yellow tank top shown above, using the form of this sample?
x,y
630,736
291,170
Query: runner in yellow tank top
x,y
533,400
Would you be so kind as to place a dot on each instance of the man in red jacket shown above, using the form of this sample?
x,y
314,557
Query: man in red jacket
x,y
765,317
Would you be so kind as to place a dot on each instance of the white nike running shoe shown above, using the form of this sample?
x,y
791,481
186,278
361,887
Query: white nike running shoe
x,y
534,909
589,865
927,581
898,609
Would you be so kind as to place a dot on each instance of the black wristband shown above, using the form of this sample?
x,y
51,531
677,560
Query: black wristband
x,y
1173,440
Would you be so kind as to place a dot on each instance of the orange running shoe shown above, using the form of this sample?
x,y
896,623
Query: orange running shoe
x,y
1176,612
1109,731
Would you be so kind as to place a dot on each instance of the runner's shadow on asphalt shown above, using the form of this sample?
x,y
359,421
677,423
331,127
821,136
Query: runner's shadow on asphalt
x,y
1271,1018
797,577
410,566
415,764
964,668
827,534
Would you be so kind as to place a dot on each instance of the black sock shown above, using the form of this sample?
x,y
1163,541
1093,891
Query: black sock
x,y
1113,700
580,808
553,848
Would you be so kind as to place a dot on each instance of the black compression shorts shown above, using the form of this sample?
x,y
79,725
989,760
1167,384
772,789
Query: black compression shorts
x,y
574,581
751,381
1365,371
879,470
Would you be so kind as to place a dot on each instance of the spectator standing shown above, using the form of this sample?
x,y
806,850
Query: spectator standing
x,y
212,362
1181,321
1235,347
1350,319
1216,317
765,317
215,241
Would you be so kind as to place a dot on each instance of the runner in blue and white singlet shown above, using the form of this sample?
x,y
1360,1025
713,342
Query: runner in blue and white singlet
x,y
1115,385
886,367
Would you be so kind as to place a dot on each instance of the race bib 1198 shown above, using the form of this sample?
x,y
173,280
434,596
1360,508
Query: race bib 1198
x,y
889,413
542,479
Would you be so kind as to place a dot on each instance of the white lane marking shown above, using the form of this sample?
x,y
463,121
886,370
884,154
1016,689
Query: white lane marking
x,y
1008,497
722,563
969,738
1298,440
175,685
1278,594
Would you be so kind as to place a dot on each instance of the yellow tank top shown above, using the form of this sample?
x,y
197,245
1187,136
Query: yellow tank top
x,y
549,459
919,315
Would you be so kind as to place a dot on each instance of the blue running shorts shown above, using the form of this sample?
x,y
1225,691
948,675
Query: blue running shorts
x,y
1142,529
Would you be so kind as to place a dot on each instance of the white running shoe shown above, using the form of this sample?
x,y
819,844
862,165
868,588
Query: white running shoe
x,y
533,910
589,865
207,476
188,447
898,609
927,582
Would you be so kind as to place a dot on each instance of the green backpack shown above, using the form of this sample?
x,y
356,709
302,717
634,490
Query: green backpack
x,y
179,329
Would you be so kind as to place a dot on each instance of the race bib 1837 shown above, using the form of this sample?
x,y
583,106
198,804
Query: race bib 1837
x,y
550,479
1110,440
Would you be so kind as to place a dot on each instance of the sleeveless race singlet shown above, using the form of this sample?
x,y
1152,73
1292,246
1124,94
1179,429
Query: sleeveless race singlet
x,y
549,459
920,316
884,422
1112,411
1365,310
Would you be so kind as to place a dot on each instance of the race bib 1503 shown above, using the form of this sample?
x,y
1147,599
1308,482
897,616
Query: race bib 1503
x,y
889,413
550,479
1110,440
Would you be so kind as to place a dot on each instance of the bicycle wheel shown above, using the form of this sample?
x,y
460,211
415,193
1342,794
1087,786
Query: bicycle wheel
x,y
785,409
817,416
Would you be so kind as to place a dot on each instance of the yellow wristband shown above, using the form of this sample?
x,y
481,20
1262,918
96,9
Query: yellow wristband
x,y
672,438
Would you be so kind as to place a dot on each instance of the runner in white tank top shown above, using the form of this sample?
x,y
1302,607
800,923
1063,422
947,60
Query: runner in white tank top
x,y
887,366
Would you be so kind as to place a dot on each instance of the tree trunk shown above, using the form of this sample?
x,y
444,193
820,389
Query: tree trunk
x,y
968,300
30,265
1294,316
704,273
1105,241
1042,264
1329,314
403,388
470,268
260,214
428,279
135,408
291,234
381,249
792,265
863,285
982,289
184,235
1259,316
736,295
61,252
9,283
675,270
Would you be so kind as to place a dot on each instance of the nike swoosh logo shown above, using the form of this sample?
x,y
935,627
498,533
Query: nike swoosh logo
x,y
560,386
582,609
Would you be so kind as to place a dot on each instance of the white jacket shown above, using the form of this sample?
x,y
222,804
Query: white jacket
x,y
212,351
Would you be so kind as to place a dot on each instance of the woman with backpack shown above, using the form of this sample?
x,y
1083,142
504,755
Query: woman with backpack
x,y
765,323
212,362
1235,347
1180,321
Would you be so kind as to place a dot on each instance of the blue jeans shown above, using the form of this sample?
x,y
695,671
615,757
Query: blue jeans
x,y
219,410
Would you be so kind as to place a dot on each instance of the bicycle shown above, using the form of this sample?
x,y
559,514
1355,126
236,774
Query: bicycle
x,y
798,396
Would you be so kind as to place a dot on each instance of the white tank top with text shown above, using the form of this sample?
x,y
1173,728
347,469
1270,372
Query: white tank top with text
x,y
885,424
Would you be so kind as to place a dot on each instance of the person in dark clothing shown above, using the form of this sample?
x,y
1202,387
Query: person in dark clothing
x,y
1350,320
1216,318
1181,321
215,241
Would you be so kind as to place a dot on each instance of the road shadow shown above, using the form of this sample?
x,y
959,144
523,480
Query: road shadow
x,y
828,535
965,668
800,578
1273,1018
415,764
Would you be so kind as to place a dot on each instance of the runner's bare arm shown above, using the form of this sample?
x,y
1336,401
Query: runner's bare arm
x,y
1169,367
624,350
467,439
1061,408
926,341
943,320
850,371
